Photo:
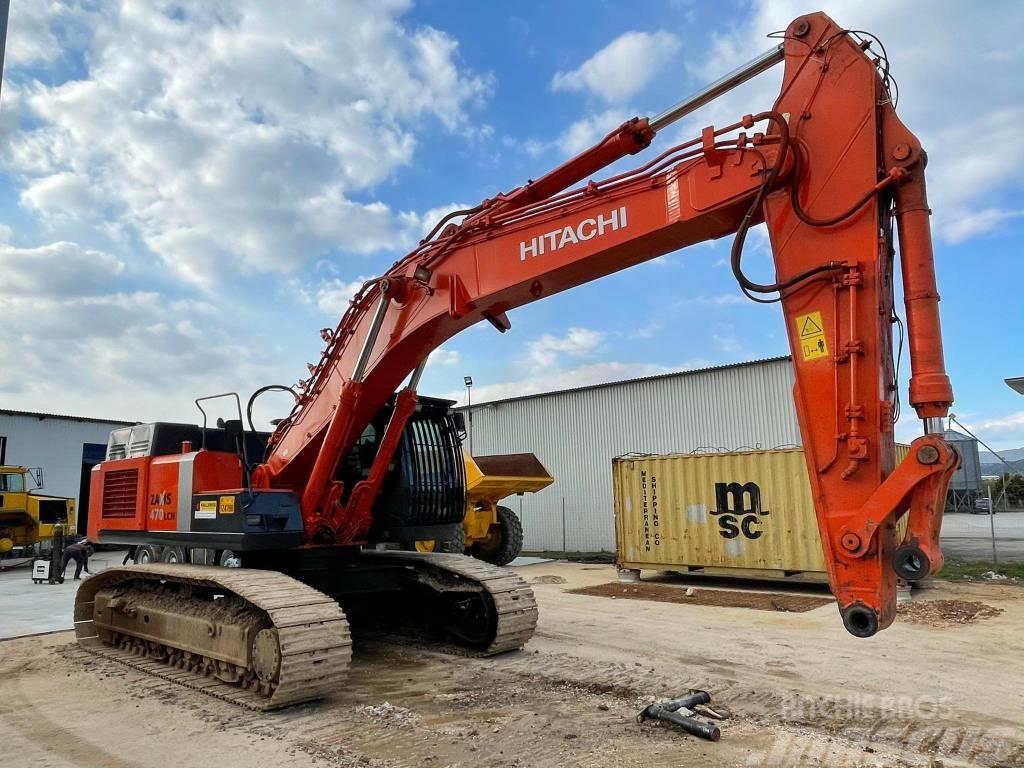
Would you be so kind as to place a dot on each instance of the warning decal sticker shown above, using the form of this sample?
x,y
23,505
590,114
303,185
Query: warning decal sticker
x,y
207,510
812,336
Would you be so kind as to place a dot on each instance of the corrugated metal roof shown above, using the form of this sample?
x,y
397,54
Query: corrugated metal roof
x,y
64,417
620,382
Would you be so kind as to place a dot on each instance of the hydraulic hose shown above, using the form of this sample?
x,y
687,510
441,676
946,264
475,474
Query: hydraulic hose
x,y
262,390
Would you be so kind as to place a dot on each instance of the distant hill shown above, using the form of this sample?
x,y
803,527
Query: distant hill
x,y
990,465
1011,455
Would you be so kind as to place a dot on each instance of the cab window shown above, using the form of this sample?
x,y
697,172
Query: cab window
x,y
12,483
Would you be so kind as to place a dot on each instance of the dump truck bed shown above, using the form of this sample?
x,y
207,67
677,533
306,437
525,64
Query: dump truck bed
x,y
493,478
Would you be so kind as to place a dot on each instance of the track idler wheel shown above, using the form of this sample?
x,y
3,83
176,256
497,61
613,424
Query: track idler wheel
x,y
266,656
471,618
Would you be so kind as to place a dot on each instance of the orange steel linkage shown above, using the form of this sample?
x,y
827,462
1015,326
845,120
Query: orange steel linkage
x,y
823,170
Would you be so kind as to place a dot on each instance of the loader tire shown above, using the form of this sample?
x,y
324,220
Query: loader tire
x,y
454,544
505,541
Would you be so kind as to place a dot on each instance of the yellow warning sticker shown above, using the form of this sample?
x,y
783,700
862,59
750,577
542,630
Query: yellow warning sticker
x,y
207,510
227,505
812,336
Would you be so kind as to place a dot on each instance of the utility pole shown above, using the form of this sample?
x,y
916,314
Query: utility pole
x,y
469,408
992,525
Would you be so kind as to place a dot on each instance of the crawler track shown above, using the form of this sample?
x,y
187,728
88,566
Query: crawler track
x,y
313,634
315,644
514,604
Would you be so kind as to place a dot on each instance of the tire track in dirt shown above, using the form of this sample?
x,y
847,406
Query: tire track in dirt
x,y
23,713
928,728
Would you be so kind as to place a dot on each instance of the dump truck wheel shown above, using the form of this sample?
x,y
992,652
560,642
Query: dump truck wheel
x,y
173,555
455,543
227,558
504,541
147,553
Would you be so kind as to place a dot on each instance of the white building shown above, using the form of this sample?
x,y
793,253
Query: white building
x,y
577,432
65,447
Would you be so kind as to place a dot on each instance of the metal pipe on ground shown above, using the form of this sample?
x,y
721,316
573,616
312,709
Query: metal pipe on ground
x,y
670,712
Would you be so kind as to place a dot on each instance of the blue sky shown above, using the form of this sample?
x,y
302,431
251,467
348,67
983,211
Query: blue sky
x,y
189,191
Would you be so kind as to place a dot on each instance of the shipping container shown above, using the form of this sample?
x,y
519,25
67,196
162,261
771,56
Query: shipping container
x,y
744,513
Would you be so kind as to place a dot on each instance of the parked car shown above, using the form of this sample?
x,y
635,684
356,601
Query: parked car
x,y
983,506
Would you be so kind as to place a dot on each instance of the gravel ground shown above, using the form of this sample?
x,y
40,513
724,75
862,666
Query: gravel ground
x,y
799,690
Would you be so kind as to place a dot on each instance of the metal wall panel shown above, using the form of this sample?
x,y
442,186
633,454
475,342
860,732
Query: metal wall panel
x,y
577,433
55,444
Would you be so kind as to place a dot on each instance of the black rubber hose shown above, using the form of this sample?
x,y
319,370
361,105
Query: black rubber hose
x,y
260,391
741,233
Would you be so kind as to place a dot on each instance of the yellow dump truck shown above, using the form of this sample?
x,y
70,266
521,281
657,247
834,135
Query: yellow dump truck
x,y
491,532
26,517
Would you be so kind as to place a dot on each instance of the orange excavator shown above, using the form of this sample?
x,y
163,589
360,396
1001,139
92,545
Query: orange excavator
x,y
254,551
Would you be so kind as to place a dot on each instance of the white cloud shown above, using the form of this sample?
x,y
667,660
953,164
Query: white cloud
x,y
421,224
238,136
579,135
649,331
444,357
973,223
717,300
334,295
197,141
727,343
622,68
82,346
35,37
60,193
577,342
57,270
1000,425
588,130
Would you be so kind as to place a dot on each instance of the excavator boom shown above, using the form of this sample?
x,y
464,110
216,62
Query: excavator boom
x,y
829,168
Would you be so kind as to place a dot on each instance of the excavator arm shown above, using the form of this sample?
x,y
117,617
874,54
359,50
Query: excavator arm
x,y
829,169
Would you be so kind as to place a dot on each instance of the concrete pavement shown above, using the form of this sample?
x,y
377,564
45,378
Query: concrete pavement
x,y
969,537
27,608
30,609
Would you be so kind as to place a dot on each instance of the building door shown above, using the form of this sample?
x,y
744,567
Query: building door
x,y
92,454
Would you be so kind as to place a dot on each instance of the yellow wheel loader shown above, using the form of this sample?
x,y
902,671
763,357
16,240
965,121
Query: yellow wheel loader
x,y
26,517
491,532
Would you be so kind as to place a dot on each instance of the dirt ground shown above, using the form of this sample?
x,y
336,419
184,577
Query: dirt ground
x,y
801,692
